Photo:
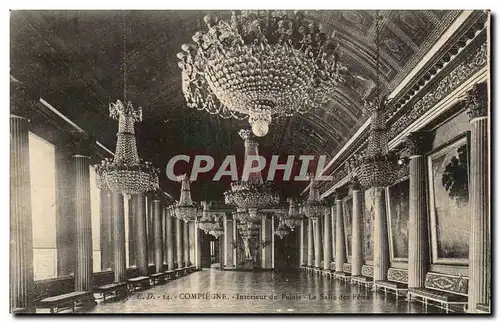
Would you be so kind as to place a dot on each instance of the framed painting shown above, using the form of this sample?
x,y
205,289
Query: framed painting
x,y
398,202
448,172
347,205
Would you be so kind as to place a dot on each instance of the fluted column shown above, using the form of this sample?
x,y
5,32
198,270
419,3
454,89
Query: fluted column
x,y
380,245
83,224
357,239
418,144
21,231
479,194
170,240
310,250
327,244
317,242
106,232
185,236
141,238
303,260
118,224
157,224
340,247
178,243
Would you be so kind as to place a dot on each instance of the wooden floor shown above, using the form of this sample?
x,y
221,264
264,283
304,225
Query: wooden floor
x,y
257,292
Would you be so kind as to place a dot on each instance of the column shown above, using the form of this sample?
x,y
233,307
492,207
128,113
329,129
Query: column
x,y
132,234
380,238
357,239
106,233
118,224
327,245
266,240
178,243
141,238
479,245
310,250
418,143
185,236
150,229
302,250
199,247
317,242
21,234
170,240
228,243
157,231
192,237
340,247
83,224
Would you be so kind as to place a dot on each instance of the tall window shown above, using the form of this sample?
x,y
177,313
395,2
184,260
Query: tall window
x,y
43,207
95,207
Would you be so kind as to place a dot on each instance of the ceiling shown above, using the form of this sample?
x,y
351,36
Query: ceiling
x,y
74,59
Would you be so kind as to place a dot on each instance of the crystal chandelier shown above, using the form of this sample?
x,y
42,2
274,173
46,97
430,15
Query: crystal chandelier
x,y
126,173
377,167
293,218
185,209
252,194
257,65
282,229
314,207
207,221
217,229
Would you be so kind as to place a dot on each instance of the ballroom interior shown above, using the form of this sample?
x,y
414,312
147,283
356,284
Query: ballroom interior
x,y
258,161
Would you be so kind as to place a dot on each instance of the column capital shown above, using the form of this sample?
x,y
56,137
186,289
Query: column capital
x,y
419,142
81,144
477,101
22,101
341,192
354,184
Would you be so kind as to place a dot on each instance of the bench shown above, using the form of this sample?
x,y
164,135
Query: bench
x,y
169,273
157,278
483,308
192,268
180,272
366,277
65,301
20,310
111,289
442,290
397,282
138,282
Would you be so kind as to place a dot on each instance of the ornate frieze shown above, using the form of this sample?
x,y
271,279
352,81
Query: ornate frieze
x,y
449,83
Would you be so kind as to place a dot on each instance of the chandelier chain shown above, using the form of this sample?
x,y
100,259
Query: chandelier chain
x,y
125,56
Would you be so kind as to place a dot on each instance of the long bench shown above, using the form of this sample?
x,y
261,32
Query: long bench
x,y
158,278
169,274
397,282
65,301
366,277
192,268
138,282
483,308
442,291
111,289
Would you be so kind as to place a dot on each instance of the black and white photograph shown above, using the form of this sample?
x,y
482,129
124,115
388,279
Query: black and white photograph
x,y
250,161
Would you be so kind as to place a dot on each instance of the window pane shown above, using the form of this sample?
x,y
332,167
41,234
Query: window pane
x,y
95,208
43,206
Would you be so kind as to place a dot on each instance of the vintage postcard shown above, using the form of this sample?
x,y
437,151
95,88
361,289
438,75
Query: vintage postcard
x,y
250,161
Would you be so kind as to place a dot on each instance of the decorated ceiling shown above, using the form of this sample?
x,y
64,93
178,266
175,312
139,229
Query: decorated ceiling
x,y
74,60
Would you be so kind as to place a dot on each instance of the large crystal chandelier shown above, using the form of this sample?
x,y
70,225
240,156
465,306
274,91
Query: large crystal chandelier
x,y
293,218
377,167
257,65
314,207
126,173
217,229
185,209
252,194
